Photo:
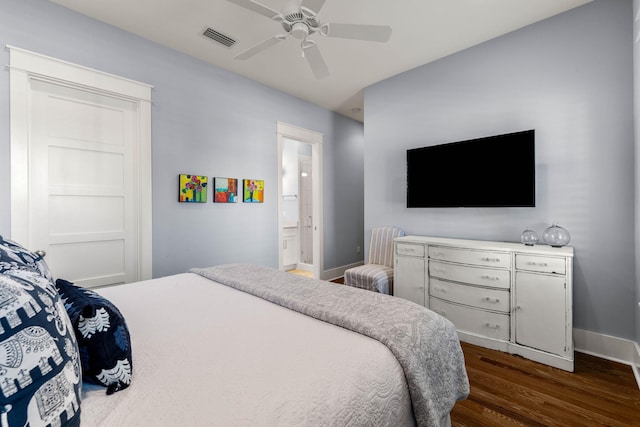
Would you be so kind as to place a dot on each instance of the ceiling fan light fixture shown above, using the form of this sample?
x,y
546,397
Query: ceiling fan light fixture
x,y
300,30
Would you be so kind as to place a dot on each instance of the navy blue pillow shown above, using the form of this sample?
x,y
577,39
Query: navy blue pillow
x,y
40,374
13,256
103,336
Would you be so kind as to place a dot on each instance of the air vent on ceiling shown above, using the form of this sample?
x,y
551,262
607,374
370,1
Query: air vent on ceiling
x,y
219,37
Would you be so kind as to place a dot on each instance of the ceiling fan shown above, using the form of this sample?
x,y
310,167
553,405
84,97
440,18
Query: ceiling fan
x,y
299,19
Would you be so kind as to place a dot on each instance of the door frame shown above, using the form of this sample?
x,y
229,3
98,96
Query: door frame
x,y
284,130
26,66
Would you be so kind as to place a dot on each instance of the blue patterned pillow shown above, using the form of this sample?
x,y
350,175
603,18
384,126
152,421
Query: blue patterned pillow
x,y
103,336
13,256
40,374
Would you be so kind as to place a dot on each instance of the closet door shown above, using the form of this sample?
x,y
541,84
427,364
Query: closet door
x,y
82,199
81,176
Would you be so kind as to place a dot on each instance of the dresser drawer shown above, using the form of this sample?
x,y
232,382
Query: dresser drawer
x,y
466,256
474,275
475,321
410,250
541,264
490,299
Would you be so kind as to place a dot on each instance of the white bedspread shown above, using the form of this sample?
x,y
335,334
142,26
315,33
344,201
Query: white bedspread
x,y
205,354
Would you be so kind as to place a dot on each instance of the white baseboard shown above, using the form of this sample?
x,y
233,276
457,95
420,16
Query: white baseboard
x,y
334,273
608,347
304,267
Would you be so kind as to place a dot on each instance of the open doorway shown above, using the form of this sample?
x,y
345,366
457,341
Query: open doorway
x,y
300,200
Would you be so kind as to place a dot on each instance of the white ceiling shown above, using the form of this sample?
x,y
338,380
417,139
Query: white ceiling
x,y
423,31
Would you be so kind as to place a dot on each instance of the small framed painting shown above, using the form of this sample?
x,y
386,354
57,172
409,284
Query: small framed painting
x,y
192,188
253,191
225,190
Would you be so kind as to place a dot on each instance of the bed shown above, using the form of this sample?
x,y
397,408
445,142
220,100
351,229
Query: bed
x,y
210,353
231,345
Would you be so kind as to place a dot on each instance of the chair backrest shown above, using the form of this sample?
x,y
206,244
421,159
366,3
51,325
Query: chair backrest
x,y
381,246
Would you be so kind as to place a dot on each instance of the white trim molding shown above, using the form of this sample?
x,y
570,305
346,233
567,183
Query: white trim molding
x,y
49,68
608,347
636,364
337,272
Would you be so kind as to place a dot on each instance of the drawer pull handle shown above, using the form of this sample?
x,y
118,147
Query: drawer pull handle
x,y
492,278
441,313
541,264
492,325
486,259
439,270
439,289
492,300
436,253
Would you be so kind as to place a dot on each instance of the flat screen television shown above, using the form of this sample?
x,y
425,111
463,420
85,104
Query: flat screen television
x,y
495,171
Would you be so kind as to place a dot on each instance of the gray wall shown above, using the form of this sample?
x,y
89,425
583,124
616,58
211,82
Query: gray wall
x,y
346,220
636,98
205,121
570,78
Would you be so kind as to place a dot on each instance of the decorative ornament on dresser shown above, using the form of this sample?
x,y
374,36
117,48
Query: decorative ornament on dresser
x,y
529,237
556,236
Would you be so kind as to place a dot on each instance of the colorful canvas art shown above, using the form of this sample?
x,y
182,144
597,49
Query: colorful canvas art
x,y
225,190
193,188
253,191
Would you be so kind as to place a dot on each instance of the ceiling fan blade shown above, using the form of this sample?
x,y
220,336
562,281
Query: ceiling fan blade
x,y
257,8
312,5
316,62
374,33
246,54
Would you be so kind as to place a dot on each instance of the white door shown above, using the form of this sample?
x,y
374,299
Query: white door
x,y
305,209
82,203
82,200
409,280
541,312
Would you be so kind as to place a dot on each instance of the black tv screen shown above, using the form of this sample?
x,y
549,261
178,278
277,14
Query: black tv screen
x,y
496,171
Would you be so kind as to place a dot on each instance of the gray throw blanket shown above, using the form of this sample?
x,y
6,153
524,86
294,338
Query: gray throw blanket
x,y
425,344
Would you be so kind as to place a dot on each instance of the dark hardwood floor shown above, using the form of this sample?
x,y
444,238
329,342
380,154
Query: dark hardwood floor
x,y
508,390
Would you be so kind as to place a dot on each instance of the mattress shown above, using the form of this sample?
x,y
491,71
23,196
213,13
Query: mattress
x,y
205,354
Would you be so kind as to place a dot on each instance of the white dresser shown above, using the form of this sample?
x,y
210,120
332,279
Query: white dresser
x,y
504,296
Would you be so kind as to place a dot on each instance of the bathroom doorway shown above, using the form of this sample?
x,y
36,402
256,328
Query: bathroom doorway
x,y
299,200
